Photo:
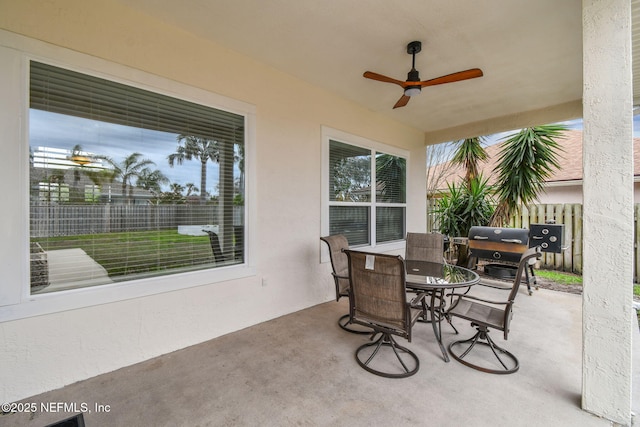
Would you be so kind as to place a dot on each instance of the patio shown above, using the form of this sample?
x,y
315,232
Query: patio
x,y
294,72
299,369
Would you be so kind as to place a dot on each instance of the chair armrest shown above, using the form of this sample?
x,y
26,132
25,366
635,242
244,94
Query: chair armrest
x,y
495,284
418,298
471,297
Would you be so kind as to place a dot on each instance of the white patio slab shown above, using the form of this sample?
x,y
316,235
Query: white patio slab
x,y
73,268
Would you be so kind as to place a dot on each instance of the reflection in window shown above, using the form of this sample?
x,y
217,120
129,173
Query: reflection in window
x,y
127,183
355,209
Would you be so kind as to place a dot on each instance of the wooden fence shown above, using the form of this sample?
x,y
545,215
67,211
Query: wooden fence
x,y
570,215
49,220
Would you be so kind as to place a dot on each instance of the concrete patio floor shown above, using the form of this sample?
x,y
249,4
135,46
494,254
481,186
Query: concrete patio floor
x,y
300,370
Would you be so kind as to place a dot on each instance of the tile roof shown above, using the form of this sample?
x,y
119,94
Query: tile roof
x,y
570,160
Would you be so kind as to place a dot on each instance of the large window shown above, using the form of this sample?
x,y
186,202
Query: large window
x,y
367,194
126,183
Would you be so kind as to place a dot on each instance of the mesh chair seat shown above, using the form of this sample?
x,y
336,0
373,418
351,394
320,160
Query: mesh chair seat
x,y
486,315
479,313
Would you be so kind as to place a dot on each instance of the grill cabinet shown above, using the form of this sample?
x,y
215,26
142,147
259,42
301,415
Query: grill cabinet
x,y
550,237
498,244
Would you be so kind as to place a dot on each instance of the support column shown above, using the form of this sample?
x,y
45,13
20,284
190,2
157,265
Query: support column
x,y
608,209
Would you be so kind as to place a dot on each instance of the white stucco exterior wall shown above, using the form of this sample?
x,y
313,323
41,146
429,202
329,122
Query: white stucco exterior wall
x,y
44,352
608,209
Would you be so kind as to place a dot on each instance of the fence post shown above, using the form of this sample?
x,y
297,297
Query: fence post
x,y
636,252
524,217
558,216
577,242
567,253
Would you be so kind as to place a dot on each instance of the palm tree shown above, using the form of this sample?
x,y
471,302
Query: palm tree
x,y
131,167
191,188
194,147
527,159
151,180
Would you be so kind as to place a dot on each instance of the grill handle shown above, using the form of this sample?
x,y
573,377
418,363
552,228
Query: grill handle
x,y
480,237
518,241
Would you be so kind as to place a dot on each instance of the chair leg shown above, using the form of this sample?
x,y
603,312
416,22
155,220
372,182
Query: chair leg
x,y
426,309
482,337
386,340
448,317
345,323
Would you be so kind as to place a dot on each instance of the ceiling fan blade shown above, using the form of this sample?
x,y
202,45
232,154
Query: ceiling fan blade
x,y
455,77
402,101
381,78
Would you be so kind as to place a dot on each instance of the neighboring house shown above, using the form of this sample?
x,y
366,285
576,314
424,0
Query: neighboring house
x,y
73,186
564,186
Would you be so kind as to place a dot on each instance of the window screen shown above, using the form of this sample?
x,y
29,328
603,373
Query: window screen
x,y
366,214
127,183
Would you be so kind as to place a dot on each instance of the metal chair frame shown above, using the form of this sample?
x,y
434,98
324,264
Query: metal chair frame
x,y
340,273
379,295
485,317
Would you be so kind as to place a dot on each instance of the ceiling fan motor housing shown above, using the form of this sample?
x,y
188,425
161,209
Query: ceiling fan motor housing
x,y
413,75
414,47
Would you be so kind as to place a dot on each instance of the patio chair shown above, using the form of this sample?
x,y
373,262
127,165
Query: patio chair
x,y
340,265
379,301
215,246
486,314
425,247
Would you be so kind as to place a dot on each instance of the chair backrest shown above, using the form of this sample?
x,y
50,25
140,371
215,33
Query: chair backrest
x,y
425,247
215,246
378,292
528,258
339,262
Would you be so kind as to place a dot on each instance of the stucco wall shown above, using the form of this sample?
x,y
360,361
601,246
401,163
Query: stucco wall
x,y
607,210
46,352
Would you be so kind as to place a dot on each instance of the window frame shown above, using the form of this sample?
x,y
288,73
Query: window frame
x,y
328,135
16,300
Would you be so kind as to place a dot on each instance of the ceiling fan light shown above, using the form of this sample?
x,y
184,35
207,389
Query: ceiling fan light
x,y
411,91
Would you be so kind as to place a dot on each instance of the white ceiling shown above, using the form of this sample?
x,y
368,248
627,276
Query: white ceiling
x,y
530,51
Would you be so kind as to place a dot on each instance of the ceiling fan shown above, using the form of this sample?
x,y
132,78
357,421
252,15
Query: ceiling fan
x,y
413,86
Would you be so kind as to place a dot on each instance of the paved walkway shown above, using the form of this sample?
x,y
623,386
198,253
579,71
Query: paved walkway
x,y
73,268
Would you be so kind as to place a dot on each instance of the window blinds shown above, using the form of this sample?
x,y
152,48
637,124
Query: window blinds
x,y
97,223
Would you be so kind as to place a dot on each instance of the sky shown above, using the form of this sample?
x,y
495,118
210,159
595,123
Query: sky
x,y
116,142
571,124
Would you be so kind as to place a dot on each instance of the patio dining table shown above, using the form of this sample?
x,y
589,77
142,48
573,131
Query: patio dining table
x,y
436,278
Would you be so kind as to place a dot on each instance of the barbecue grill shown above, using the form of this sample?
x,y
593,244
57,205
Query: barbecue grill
x,y
498,244
501,245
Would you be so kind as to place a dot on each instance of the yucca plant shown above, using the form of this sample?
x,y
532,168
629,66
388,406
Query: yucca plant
x,y
469,154
527,159
463,207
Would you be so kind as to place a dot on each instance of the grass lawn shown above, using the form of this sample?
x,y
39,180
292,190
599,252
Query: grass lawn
x,y
560,277
137,252
571,279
